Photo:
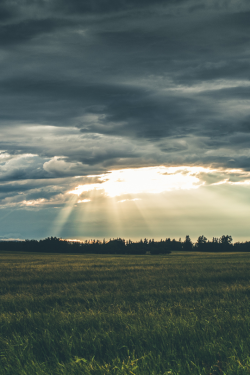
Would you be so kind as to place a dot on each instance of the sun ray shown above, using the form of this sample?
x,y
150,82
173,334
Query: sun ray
x,y
6,215
141,210
63,215
143,201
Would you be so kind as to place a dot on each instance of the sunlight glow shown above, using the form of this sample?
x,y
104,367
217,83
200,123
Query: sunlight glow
x,y
151,200
129,200
221,182
153,180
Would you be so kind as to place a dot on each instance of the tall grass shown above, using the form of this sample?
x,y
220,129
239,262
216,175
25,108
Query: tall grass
x,y
185,313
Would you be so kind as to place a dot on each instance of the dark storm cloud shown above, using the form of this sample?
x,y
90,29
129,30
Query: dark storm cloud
x,y
106,6
5,14
92,85
23,31
123,110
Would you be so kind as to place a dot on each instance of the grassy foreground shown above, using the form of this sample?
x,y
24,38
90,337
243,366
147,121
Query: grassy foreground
x,y
185,313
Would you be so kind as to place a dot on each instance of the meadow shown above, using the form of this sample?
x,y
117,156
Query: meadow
x,y
183,313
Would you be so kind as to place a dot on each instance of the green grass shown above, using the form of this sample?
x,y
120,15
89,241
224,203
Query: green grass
x,y
185,313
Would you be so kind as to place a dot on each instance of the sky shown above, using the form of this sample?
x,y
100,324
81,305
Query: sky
x,y
124,119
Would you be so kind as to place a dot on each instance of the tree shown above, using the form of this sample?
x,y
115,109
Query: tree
x,y
226,240
201,239
187,244
201,243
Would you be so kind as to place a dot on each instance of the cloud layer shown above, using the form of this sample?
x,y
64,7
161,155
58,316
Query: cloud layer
x,y
92,86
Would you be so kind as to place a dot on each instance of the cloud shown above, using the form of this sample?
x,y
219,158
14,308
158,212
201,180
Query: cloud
x,y
89,87
16,33
129,184
84,201
58,167
157,180
129,200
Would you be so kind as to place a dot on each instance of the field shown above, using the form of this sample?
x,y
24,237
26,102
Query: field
x,y
184,313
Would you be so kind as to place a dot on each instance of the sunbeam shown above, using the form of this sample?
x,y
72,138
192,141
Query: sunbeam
x,y
63,215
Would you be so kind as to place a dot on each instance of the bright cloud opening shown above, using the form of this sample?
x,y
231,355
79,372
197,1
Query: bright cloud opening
x,y
152,180
156,180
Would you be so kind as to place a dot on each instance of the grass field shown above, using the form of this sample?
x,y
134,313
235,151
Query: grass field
x,y
185,313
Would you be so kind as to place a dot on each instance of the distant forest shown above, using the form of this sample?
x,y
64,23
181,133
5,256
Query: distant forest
x,y
120,246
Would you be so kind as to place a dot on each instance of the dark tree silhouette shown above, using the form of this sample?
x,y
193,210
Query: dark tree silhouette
x,y
226,240
201,243
187,245
119,246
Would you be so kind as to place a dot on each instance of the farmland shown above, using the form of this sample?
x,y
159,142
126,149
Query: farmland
x,y
183,313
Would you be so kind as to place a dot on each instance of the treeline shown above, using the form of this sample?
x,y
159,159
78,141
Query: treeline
x,y
120,246
115,246
222,244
